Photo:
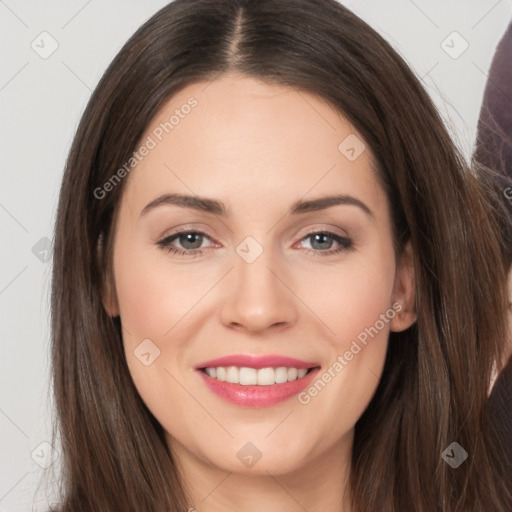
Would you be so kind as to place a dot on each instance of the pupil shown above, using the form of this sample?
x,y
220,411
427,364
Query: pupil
x,y
189,239
321,236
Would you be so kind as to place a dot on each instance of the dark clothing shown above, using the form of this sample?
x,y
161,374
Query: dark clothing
x,y
499,410
494,137
494,150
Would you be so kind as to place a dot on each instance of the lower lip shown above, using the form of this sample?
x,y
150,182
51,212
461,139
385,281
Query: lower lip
x,y
257,396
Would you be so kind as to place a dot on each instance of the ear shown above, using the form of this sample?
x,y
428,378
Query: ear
x,y
404,292
108,290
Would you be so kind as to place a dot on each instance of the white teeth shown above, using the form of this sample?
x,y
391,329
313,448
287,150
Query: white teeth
x,y
292,373
232,374
281,374
252,376
266,376
248,376
212,372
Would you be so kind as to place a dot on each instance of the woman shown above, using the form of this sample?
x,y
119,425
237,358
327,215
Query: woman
x,y
255,368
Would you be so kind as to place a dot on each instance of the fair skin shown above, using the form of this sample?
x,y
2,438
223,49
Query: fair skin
x,y
257,148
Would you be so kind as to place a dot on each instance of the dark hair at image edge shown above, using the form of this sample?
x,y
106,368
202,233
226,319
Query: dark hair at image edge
x,y
434,384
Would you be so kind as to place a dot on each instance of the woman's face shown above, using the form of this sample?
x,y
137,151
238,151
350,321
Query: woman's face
x,y
264,274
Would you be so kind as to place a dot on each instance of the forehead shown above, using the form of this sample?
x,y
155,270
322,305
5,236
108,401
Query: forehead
x,y
236,137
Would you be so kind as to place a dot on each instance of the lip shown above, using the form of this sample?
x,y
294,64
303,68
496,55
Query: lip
x,y
266,361
257,396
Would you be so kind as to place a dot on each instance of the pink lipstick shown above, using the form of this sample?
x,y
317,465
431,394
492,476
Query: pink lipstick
x,y
257,381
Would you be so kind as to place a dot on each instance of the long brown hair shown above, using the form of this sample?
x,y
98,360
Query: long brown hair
x,y
436,375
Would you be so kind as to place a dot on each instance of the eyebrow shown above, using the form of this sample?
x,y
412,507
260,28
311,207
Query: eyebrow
x,y
215,207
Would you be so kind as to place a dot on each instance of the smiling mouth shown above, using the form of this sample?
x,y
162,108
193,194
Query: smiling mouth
x,y
247,376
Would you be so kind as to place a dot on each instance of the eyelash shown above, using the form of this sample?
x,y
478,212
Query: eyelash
x,y
346,244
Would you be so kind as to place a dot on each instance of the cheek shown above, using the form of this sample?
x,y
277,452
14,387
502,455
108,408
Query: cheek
x,y
156,303
154,296
354,296
357,308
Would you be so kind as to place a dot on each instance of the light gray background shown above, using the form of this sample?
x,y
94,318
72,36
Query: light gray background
x,y
41,100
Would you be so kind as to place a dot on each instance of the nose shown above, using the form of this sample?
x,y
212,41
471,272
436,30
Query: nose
x,y
259,296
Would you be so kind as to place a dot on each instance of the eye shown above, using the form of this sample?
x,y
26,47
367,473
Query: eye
x,y
191,242
322,241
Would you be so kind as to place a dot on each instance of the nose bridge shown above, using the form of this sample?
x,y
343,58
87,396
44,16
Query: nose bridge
x,y
257,297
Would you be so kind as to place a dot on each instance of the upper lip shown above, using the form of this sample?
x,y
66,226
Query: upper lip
x,y
265,361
